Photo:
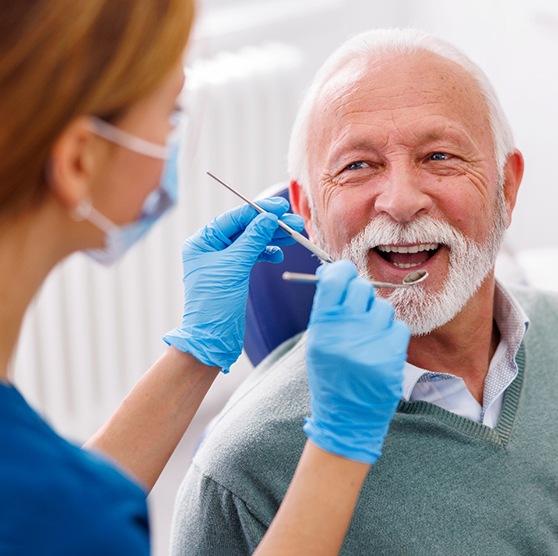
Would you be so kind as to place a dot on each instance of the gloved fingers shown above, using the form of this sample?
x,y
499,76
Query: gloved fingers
x,y
271,254
399,335
332,287
391,345
241,216
220,232
381,315
208,238
249,246
279,207
294,221
281,237
233,222
360,295
276,205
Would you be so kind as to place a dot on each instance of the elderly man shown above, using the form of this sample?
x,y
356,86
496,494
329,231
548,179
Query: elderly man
x,y
401,158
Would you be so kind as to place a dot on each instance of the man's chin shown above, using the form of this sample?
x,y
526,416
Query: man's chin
x,y
424,311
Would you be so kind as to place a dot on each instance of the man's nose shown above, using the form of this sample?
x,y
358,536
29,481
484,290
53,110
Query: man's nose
x,y
402,196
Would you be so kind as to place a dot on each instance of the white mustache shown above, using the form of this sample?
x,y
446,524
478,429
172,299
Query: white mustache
x,y
384,231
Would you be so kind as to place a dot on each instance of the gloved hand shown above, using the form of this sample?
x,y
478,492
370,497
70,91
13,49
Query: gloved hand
x,y
217,261
355,358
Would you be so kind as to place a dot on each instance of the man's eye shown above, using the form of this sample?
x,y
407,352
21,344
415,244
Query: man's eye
x,y
439,156
357,165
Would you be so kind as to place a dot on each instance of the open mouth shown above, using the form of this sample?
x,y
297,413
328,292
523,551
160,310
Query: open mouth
x,y
407,256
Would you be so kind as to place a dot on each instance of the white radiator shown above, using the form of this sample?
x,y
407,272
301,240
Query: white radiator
x,y
92,331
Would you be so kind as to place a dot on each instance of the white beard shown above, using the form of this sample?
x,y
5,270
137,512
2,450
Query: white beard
x,y
469,264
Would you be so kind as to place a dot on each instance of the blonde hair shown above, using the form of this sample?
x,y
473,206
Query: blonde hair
x,y
61,59
384,42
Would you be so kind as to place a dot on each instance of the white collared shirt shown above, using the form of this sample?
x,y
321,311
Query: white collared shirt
x,y
450,392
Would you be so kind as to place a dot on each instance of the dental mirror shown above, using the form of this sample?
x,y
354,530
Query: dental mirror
x,y
414,278
411,279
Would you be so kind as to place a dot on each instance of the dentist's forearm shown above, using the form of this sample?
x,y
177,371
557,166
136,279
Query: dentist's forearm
x,y
145,429
317,509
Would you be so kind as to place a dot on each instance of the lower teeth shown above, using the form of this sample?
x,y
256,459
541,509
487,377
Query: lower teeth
x,y
406,265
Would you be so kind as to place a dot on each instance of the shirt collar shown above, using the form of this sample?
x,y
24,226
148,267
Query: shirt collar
x,y
511,320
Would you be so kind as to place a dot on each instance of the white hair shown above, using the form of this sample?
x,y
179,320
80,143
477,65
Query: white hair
x,y
374,44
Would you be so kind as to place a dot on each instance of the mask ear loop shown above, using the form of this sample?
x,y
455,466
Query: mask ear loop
x,y
86,211
82,211
127,140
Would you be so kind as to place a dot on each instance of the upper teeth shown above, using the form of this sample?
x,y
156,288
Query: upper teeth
x,y
408,249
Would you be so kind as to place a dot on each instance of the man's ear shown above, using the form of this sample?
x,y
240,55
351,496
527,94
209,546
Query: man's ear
x,y
513,174
301,204
72,163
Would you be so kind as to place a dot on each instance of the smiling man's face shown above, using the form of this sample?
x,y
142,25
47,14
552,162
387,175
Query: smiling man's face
x,y
403,177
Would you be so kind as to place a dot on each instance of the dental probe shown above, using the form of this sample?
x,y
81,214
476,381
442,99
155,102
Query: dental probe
x,y
299,238
411,279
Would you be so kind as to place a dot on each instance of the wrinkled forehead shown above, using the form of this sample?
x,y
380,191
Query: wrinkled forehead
x,y
401,85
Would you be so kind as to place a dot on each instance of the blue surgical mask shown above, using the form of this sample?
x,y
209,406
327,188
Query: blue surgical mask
x,y
118,239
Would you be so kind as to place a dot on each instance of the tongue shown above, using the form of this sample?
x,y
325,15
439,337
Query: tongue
x,y
408,258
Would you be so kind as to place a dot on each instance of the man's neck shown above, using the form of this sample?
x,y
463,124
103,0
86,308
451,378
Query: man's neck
x,y
465,346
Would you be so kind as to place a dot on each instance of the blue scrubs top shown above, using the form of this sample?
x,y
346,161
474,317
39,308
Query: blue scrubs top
x,y
56,498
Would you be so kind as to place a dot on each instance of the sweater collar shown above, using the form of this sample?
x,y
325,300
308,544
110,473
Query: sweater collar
x,y
512,323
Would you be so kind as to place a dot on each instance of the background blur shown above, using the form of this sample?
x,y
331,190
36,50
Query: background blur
x,y
93,331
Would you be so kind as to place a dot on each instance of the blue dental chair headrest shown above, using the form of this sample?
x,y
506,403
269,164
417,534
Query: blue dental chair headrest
x,y
277,310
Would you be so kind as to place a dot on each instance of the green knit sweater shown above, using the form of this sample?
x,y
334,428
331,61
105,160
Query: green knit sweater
x,y
444,485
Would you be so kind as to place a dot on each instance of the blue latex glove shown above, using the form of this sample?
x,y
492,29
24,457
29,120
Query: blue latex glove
x,y
217,261
355,358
